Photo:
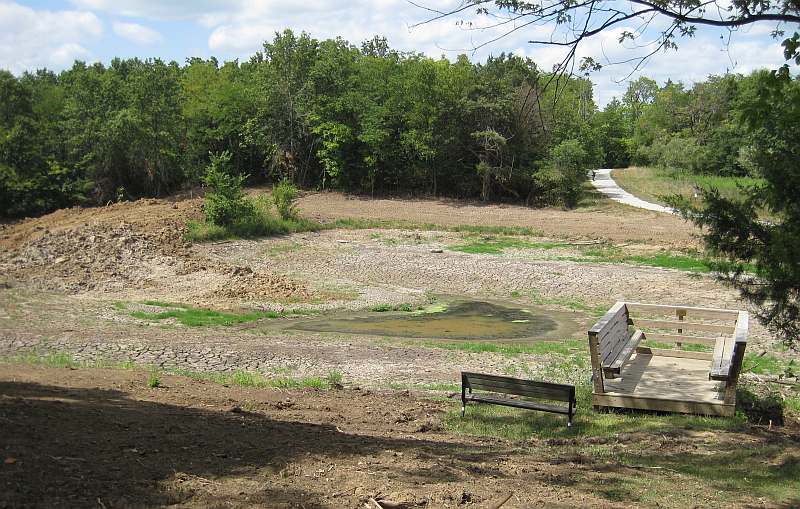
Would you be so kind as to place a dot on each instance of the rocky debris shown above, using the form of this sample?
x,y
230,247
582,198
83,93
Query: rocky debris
x,y
93,257
123,256
245,284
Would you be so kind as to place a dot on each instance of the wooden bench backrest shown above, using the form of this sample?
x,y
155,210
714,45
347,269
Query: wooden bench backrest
x,y
508,385
612,332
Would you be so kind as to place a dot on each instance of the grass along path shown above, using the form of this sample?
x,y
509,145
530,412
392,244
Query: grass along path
x,y
653,184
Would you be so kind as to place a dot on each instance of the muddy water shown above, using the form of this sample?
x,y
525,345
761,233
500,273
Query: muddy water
x,y
465,320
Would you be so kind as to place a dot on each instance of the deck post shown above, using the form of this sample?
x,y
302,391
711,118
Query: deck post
x,y
597,370
681,314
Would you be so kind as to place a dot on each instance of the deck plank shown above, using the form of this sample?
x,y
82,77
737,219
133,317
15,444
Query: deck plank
x,y
655,376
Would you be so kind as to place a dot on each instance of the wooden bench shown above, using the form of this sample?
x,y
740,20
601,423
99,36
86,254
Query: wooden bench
x,y
617,343
628,374
518,387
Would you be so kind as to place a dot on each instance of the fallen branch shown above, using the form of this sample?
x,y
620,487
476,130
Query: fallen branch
x,y
499,502
372,504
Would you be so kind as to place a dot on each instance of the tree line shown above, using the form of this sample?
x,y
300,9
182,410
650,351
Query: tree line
x,y
320,114
702,129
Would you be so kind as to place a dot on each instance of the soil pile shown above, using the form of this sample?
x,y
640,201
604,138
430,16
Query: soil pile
x,y
127,246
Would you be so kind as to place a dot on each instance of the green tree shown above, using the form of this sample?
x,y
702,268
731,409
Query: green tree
x,y
225,201
770,111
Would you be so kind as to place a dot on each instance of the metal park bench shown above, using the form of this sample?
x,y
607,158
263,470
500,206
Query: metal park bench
x,y
628,375
518,387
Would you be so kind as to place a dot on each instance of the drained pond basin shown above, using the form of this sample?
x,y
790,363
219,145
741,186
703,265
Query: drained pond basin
x,y
458,320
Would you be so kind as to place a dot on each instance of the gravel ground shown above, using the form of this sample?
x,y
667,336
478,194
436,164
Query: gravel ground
x,y
54,299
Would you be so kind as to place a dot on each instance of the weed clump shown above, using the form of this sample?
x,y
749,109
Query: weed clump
x,y
284,195
230,213
226,202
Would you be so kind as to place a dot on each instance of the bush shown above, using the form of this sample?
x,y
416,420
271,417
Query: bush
x,y
683,154
226,202
260,221
284,196
564,173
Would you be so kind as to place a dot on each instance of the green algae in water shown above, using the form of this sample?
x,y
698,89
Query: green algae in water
x,y
466,320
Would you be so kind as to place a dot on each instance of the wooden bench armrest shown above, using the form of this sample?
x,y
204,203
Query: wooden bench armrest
x,y
722,362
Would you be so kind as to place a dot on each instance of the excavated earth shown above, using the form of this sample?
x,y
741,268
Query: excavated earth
x,y
70,281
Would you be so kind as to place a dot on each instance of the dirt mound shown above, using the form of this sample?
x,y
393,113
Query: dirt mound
x,y
127,246
248,285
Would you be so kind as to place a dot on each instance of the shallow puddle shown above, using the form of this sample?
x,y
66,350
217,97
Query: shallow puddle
x,y
465,320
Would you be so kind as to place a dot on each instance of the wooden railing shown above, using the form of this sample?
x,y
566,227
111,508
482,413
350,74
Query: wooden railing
x,y
614,337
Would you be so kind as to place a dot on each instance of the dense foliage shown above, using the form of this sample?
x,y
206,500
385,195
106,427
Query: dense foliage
x,y
702,129
770,116
319,114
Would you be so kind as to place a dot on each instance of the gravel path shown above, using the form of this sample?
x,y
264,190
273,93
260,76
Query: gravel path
x,y
606,185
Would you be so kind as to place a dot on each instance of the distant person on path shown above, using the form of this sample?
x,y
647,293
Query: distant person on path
x,y
594,174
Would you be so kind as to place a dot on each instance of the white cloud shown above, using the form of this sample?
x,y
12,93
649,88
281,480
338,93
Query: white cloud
x,y
237,28
31,39
139,34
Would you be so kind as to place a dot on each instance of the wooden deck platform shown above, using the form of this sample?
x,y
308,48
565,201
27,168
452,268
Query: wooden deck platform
x,y
630,372
663,382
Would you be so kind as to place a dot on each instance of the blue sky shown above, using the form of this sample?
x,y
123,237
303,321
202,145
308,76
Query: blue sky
x,y
53,33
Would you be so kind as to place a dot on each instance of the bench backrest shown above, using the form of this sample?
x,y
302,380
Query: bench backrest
x,y
611,332
508,385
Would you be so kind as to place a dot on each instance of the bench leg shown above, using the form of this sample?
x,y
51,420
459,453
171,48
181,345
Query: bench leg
x,y
463,408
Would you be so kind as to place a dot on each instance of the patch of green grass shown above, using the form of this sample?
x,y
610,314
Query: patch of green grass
x,y
195,317
60,359
664,259
654,184
519,424
434,386
604,253
671,261
765,471
243,378
381,308
153,381
499,245
572,303
385,224
767,364
334,378
49,359
407,308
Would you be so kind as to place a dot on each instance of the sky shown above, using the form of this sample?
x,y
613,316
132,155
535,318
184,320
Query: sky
x,y
53,33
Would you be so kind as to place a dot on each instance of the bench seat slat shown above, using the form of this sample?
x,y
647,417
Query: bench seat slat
x,y
721,363
616,366
530,405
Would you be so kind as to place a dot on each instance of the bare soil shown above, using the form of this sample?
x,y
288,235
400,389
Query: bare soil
x,y
102,438
607,221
